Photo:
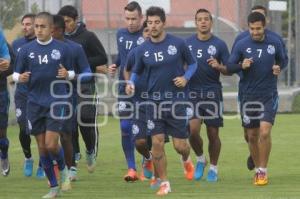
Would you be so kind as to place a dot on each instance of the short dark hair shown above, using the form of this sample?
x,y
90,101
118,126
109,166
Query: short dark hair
x,y
132,6
156,11
59,22
255,17
29,15
69,11
46,15
260,7
145,24
203,10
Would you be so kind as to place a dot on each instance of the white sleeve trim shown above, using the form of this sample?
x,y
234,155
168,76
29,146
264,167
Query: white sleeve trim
x,y
15,77
71,74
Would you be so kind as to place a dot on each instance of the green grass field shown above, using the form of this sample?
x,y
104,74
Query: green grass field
x,y
235,180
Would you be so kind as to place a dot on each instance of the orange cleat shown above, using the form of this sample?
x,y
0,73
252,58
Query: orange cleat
x,y
131,176
189,170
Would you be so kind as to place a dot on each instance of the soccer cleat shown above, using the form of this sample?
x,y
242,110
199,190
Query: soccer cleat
x,y
73,174
91,162
164,189
40,173
189,170
65,180
28,167
262,179
199,170
5,167
147,168
250,163
77,157
155,183
212,176
131,176
255,178
53,193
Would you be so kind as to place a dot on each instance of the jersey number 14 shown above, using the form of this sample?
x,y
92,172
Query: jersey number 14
x,y
43,60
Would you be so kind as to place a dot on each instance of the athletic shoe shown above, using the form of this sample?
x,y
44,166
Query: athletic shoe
x,y
64,180
188,169
53,193
155,183
262,179
212,176
147,168
28,167
91,162
40,173
77,157
131,176
199,170
164,188
5,166
73,174
255,178
250,163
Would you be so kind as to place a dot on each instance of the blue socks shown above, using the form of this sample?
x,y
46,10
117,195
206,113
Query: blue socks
x,y
128,143
49,170
60,159
4,144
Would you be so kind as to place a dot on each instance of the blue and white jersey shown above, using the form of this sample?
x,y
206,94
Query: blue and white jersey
x,y
267,32
163,62
42,60
205,76
16,46
259,78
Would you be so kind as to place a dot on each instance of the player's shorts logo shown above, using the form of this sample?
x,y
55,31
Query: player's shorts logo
x,y
135,129
271,49
172,50
150,124
140,41
212,50
18,112
55,54
246,119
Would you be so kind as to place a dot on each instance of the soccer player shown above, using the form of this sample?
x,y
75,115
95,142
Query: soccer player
x,y
206,92
164,57
262,57
5,69
21,100
41,63
262,10
127,39
97,59
81,66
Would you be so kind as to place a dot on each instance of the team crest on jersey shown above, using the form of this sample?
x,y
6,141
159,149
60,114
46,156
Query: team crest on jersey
x,y
18,112
140,40
135,129
55,54
31,55
121,39
121,106
271,49
150,124
146,54
172,50
211,50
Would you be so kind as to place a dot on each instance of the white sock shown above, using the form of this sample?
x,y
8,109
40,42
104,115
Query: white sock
x,y
201,158
150,157
256,170
264,170
29,158
214,168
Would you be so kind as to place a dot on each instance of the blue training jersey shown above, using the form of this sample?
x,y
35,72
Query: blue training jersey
x,y
4,52
205,76
163,62
16,46
43,60
259,78
267,32
80,62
